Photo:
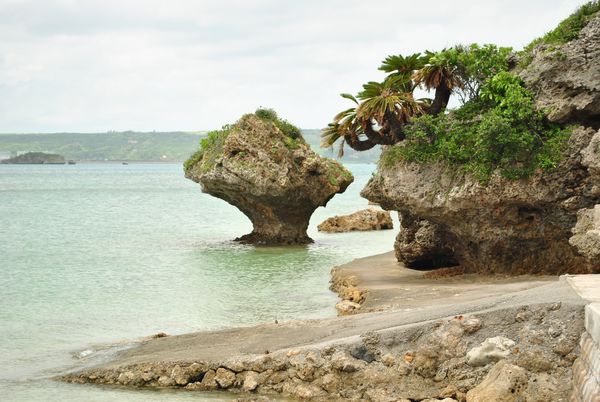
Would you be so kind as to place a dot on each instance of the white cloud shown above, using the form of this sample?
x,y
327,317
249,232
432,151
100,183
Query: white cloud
x,y
144,65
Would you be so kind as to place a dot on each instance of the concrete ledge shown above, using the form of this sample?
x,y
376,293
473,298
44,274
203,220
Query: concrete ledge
x,y
586,370
592,321
586,286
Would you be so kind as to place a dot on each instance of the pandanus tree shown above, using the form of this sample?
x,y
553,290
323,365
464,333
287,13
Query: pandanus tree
x,y
382,109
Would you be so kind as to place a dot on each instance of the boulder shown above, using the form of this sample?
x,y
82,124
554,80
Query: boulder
x,y
224,377
250,381
363,220
586,233
490,350
277,181
504,383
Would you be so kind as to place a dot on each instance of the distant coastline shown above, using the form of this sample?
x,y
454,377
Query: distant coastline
x,y
139,147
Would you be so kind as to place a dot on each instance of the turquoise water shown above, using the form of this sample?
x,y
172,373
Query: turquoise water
x,y
95,256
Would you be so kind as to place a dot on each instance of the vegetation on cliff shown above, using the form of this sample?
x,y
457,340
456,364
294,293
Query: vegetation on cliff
x,y
212,145
500,129
566,31
496,127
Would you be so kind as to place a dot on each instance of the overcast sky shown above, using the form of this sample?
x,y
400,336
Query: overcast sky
x,y
68,65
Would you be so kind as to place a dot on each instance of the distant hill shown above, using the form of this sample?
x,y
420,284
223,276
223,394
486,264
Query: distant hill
x,y
127,145
140,146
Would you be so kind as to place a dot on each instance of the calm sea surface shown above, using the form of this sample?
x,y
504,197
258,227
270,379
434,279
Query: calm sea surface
x,y
95,256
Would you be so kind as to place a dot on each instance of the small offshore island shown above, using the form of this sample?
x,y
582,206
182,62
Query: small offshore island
x,y
36,158
496,198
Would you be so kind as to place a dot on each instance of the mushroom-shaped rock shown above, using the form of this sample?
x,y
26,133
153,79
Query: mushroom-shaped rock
x,y
272,176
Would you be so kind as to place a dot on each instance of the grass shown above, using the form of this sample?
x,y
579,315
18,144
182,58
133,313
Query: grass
x,y
566,31
210,148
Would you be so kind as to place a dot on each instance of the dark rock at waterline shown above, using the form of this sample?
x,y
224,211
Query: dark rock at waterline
x,y
275,180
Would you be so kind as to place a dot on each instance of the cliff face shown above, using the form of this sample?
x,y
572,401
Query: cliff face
x,y
566,79
275,180
547,223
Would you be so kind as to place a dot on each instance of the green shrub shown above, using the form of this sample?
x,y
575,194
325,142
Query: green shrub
x,y
500,130
285,126
566,31
210,148
266,114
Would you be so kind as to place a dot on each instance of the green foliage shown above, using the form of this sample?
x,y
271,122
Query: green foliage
x,y
291,143
566,31
266,114
192,160
336,172
285,126
478,63
210,148
387,97
500,130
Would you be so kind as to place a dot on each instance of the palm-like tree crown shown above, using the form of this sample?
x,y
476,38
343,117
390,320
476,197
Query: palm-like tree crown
x,y
440,69
389,105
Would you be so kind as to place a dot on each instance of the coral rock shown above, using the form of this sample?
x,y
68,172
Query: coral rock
x,y
275,180
366,219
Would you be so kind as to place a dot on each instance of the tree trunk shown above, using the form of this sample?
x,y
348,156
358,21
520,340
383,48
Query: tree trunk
x,y
359,145
440,101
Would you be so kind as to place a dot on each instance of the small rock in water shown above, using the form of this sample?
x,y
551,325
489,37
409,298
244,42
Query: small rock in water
x,y
366,219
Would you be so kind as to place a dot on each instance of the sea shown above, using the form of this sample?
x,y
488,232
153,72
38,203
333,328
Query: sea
x,y
95,257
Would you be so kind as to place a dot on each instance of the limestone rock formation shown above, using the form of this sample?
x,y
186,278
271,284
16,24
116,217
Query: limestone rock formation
x,y
277,181
565,79
512,226
366,219
503,227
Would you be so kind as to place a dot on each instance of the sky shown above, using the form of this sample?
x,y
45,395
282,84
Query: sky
x,y
95,66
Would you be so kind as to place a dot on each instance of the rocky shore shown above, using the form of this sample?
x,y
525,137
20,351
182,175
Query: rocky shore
x,y
521,341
